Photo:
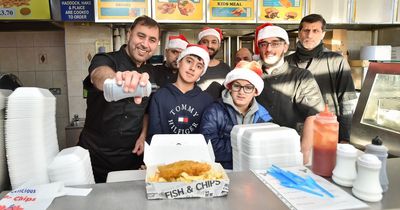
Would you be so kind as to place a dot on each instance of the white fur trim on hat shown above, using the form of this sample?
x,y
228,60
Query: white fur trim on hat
x,y
245,74
209,31
177,44
273,31
196,50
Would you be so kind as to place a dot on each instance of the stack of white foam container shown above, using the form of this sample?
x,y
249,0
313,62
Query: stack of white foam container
x,y
258,146
71,166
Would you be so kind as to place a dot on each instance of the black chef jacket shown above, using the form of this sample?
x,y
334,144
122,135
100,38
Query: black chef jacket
x,y
111,128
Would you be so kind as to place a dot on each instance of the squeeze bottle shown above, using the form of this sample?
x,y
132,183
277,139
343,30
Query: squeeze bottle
x,y
381,152
326,132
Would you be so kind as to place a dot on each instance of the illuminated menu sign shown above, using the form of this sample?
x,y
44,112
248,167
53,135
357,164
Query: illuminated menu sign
x,y
231,11
177,11
24,10
77,10
120,10
280,10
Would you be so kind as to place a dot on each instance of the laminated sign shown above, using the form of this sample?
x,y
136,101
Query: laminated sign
x,y
32,198
24,10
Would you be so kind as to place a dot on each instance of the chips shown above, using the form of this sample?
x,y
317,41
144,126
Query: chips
x,y
14,3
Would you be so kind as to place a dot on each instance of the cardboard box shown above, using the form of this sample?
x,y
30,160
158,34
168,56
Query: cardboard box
x,y
170,148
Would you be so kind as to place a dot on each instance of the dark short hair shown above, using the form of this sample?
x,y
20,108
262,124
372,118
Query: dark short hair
x,y
312,18
146,21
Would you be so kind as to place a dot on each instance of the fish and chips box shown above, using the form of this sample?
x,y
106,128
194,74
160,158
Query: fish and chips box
x,y
169,148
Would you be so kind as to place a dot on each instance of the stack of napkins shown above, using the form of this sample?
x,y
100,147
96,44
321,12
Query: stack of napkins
x,y
72,166
4,180
257,147
31,135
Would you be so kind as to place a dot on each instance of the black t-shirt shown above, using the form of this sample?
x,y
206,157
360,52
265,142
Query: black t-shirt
x,y
111,128
212,81
164,75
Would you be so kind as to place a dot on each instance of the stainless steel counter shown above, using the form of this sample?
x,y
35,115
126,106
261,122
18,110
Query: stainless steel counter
x,y
246,192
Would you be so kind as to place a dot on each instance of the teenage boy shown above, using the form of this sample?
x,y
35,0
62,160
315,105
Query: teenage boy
x,y
177,107
236,106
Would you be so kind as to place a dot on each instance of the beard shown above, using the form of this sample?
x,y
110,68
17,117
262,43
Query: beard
x,y
214,54
270,62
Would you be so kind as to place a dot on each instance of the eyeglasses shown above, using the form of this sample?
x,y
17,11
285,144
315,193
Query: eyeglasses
x,y
246,88
273,44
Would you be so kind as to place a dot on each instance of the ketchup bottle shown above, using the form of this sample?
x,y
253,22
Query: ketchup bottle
x,y
326,132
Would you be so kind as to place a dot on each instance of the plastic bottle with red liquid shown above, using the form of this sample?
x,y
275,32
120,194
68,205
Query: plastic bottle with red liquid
x,y
326,134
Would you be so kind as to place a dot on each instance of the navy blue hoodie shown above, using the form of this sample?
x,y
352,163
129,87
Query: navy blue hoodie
x,y
174,112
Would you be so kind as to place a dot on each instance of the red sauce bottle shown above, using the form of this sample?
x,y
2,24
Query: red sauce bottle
x,y
326,134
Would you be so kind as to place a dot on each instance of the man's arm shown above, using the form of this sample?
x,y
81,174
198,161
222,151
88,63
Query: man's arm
x,y
346,98
129,79
100,74
139,146
307,138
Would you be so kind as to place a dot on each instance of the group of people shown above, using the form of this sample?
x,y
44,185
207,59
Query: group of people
x,y
201,94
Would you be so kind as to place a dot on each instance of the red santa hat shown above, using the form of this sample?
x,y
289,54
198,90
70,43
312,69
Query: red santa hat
x,y
199,50
210,31
177,42
267,30
250,71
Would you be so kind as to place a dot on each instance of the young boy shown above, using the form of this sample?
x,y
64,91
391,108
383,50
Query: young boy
x,y
237,106
177,108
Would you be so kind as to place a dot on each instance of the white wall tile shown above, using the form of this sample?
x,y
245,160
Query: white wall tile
x,y
25,39
88,51
26,60
62,106
75,86
73,57
27,78
8,59
61,123
60,81
44,79
56,58
8,39
77,105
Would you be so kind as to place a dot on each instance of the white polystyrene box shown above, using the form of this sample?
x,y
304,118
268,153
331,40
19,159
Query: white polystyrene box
x,y
270,141
263,162
236,137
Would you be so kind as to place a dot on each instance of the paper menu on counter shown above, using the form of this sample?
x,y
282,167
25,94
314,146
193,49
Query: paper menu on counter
x,y
299,200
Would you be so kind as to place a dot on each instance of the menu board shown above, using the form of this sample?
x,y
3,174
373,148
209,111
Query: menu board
x,y
176,11
77,10
24,10
120,10
280,10
231,11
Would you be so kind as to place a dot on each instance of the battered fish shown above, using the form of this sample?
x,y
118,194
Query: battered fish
x,y
174,170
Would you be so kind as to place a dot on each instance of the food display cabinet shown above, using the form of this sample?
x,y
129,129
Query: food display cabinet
x,y
378,108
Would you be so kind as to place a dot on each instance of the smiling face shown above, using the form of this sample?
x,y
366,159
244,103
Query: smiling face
x,y
311,34
212,44
142,42
272,50
190,69
241,97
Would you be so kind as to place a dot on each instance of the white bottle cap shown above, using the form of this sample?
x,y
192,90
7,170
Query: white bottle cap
x,y
369,161
346,150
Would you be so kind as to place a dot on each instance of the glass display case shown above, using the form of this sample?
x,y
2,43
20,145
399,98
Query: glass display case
x,y
378,108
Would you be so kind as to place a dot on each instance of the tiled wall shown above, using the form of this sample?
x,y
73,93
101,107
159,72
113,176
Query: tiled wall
x,y
20,54
80,47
